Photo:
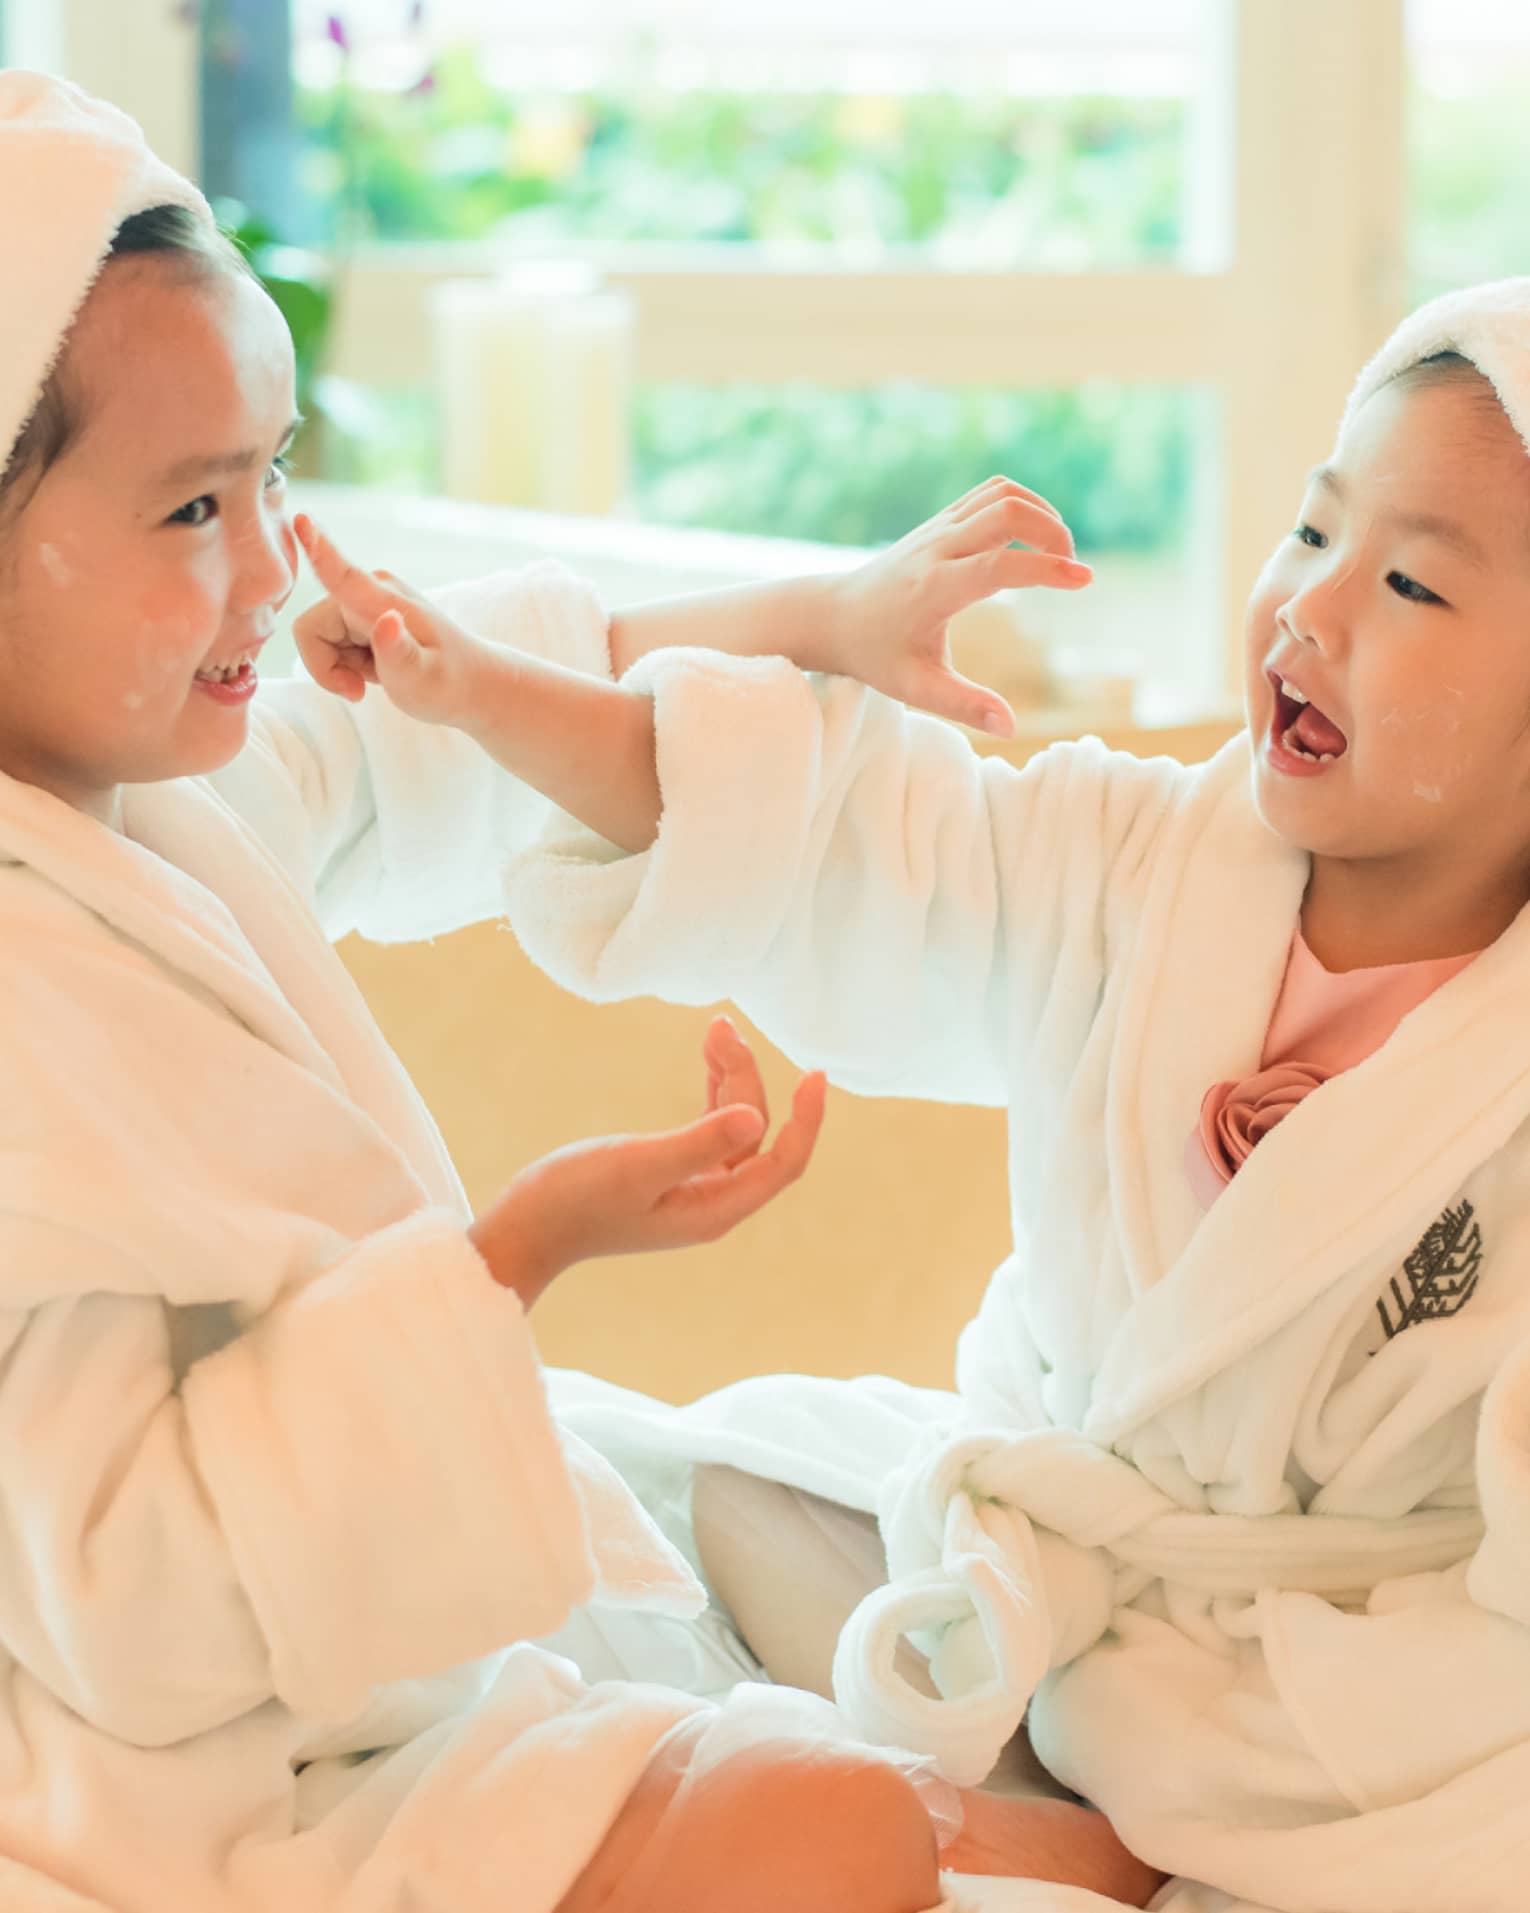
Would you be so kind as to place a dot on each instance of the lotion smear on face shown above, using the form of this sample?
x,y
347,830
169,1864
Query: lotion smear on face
x,y
56,565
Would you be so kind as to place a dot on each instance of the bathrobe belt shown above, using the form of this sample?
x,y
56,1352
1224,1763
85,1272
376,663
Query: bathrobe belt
x,y
1331,1555
1008,1556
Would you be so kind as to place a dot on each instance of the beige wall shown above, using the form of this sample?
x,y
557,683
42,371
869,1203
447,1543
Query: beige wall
x,y
872,1263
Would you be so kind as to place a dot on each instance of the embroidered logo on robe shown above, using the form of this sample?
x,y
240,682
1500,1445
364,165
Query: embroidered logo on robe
x,y
1439,1276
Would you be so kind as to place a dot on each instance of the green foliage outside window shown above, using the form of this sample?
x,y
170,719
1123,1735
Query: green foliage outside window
x,y
1065,184
1470,183
1035,183
1050,184
860,468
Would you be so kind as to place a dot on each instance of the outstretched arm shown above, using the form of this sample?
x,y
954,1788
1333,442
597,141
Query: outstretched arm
x,y
884,622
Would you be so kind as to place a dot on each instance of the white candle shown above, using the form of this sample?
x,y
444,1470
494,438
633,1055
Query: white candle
x,y
534,374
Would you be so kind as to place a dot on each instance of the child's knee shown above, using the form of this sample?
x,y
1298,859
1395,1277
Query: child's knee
x,y
810,1828
816,1831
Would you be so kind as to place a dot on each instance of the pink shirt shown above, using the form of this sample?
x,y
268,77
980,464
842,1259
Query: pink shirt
x,y
1323,1022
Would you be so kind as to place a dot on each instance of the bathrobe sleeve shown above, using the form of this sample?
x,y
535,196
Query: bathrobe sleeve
x,y
364,1485
391,827
884,902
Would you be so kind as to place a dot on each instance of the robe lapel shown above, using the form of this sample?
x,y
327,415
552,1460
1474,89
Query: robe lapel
x,y
191,885
176,919
1342,1189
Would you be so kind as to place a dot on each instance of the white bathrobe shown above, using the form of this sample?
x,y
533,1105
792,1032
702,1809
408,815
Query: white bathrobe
x,y
1243,1495
278,1481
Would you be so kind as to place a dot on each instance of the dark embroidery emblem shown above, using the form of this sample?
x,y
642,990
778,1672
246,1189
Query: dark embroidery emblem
x,y
1439,1276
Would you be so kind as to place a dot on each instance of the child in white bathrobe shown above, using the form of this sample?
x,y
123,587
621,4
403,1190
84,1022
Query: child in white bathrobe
x,y
1233,1494
282,1505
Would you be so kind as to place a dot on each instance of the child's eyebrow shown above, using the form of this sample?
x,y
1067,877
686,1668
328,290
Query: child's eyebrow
x,y
223,464
1444,531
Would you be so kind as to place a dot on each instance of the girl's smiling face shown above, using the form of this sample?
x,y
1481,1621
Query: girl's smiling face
x,y
1399,609
156,546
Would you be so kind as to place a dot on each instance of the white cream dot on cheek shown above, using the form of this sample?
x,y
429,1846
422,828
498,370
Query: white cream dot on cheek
x,y
56,568
1426,759
159,667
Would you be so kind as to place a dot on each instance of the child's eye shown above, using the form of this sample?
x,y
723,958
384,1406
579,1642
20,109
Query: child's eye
x,y
1309,535
1411,589
202,510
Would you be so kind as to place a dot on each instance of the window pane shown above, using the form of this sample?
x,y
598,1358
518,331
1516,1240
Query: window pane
x,y
1002,138
1470,81
861,468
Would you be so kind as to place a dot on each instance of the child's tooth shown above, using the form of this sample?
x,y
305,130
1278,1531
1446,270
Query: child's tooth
x,y
1291,692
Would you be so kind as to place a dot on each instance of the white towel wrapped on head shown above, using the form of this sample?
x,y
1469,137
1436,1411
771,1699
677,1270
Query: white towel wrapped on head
x,y
72,169
1490,325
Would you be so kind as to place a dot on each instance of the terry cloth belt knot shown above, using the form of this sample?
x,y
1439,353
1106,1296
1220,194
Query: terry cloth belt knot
x,y
1007,1556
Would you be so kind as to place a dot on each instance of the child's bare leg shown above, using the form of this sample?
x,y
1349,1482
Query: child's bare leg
x,y
1023,1823
1063,1841
772,1827
791,1568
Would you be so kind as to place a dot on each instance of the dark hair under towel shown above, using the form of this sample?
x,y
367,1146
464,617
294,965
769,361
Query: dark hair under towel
x,y
170,232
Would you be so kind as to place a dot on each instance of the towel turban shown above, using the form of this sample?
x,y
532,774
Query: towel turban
x,y
1488,324
72,169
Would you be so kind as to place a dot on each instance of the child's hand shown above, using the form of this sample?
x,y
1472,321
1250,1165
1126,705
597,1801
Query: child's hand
x,y
621,1194
373,629
890,615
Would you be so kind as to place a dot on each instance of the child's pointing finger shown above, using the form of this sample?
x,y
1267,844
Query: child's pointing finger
x,y
357,589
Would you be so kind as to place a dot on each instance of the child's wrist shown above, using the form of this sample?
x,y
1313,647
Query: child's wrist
x,y
828,625
507,1249
488,677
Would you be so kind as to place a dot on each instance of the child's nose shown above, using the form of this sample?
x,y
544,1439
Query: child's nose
x,y
268,562
1315,616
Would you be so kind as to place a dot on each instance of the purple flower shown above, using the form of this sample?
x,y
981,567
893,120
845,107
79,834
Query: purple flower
x,y
334,26
424,85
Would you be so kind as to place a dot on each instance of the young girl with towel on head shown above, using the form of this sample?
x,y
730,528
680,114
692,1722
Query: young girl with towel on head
x,y
1232,1501
282,1505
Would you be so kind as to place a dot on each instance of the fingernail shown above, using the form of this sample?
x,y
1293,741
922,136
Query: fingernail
x,y
997,724
742,1125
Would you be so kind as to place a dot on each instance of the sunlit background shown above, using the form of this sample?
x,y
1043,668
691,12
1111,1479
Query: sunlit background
x,y
808,270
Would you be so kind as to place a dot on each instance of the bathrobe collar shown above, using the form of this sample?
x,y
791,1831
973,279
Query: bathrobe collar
x,y
189,881
1355,1174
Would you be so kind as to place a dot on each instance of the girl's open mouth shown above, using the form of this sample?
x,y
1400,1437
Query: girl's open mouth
x,y
235,685
1303,739
232,681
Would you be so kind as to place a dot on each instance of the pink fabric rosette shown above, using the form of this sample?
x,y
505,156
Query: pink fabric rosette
x,y
1236,1116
